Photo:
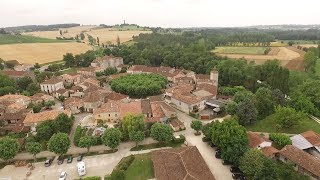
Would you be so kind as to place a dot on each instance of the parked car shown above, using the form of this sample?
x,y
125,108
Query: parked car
x,y
218,154
48,162
238,176
60,160
81,168
70,158
235,169
79,158
225,162
63,175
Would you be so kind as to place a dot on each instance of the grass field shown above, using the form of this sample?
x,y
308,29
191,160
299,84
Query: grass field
x,y
14,39
141,168
240,50
41,53
269,125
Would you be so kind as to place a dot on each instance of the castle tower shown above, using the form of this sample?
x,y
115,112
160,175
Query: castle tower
x,y
214,76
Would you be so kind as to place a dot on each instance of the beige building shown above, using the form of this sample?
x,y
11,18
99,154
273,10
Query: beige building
x,y
107,61
109,112
52,85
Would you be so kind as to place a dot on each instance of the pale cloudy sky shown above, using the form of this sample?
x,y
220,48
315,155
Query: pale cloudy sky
x,y
164,13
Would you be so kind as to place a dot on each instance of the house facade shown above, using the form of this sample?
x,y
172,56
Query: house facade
x,y
52,85
107,61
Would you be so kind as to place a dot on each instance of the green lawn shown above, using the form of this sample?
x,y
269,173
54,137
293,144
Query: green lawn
x,y
155,145
269,125
141,168
14,39
70,70
240,50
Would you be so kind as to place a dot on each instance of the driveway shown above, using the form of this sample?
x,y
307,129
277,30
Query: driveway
x,y
219,171
77,119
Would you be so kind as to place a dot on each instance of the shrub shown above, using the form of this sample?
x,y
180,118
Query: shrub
x,y
179,140
92,178
280,140
117,175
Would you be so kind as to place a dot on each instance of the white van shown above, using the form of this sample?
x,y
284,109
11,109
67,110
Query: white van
x,y
81,168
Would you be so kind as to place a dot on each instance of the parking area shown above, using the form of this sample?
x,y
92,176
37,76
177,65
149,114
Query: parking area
x,y
95,166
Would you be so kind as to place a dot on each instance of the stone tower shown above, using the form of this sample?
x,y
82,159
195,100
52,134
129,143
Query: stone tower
x,y
214,76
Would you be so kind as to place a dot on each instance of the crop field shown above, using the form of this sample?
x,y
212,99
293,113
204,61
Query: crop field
x,y
284,54
14,39
31,53
240,50
105,34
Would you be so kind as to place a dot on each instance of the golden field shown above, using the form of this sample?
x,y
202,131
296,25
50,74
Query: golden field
x,y
32,53
105,34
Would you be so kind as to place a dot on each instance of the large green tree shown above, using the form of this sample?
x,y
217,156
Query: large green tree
x,y
231,138
23,83
112,137
251,163
63,123
287,117
8,148
132,123
87,142
161,132
264,102
137,136
310,60
280,140
196,125
246,112
59,143
33,148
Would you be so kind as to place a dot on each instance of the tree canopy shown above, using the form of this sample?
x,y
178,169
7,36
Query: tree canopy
x,y
161,132
139,85
59,143
8,148
112,137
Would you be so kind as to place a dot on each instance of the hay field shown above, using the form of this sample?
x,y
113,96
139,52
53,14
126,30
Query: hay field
x,y
284,55
240,50
105,34
32,53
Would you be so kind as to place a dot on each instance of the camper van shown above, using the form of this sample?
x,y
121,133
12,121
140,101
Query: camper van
x,y
81,168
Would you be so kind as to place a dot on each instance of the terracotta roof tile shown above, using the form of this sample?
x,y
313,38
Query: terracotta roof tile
x,y
301,158
53,80
116,96
73,102
110,106
43,116
269,151
15,73
133,107
254,139
179,164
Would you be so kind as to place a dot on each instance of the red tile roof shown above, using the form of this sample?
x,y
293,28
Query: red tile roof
x,y
43,116
133,107
180,164
269,151
110,106
301,158
15,73
116,96
254,139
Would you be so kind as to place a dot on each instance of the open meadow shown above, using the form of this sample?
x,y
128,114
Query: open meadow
x,y
240,50
32,53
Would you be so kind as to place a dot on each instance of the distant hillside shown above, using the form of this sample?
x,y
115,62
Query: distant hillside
x,y
30,28
14,39
287,27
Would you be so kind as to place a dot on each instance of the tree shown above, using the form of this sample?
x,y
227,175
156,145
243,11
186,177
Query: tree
x,y
63,123
132,123
287,117
232,108
196,125
264,102
23,83
44,131
48,104
137,136
60,32
251,163
69,60
161,132
290,43
247,112
36,108
280,140
118,41
34,148
269,170
98,41
87,142
112,137
231,138
82,36
33,88
302,103
59,143
8,148
310,60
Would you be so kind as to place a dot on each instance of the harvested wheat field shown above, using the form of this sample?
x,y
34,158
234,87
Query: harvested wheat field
x,y
284,54
105,34
31,53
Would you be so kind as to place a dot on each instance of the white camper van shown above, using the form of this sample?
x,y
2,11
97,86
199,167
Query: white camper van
x,y
81,168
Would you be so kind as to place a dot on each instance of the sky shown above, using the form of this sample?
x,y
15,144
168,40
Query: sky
x,y
160,13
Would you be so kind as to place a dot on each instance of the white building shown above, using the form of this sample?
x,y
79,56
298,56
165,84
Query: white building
x,y
52,85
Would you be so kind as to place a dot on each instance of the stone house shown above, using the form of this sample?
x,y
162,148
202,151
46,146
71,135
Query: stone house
x,y
52,85
74,104
107,61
